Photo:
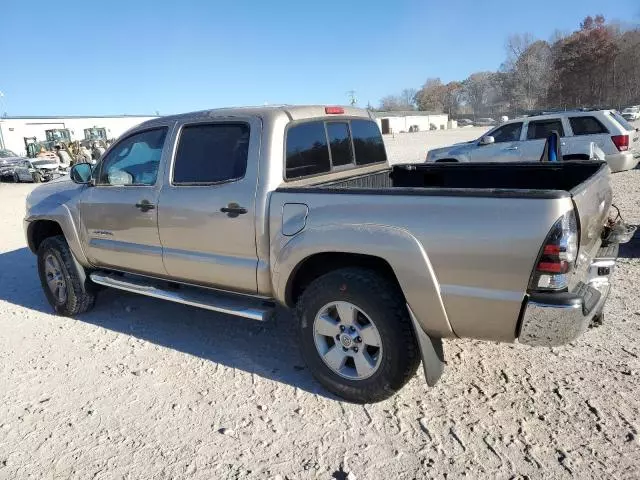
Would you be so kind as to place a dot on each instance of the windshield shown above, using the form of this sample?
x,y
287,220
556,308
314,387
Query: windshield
x,y
7,154
631,110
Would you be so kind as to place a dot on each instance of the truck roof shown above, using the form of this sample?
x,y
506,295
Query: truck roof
x,y
294,112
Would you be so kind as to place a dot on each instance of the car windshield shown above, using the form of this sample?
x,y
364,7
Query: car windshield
x,y
7,154
631,110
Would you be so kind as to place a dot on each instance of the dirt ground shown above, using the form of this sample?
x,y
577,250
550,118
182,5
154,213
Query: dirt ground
x,y
139,388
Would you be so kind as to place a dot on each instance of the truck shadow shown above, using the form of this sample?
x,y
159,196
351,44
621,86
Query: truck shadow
x,y
268,350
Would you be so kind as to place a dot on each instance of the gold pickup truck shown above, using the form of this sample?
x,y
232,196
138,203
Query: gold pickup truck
x,y
240,210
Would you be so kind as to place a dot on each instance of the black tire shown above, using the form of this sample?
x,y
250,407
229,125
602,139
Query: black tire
x,y
384,303
37,177
16,178
80,295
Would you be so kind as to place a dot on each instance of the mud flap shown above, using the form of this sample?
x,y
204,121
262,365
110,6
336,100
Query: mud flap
x,y
430,351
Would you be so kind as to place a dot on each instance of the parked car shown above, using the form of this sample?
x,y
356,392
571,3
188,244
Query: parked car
x,y
31,170
238,210
523,139
484,122
465,122
631,113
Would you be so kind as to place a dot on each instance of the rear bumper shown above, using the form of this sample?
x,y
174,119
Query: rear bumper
x,y
619,162
552,319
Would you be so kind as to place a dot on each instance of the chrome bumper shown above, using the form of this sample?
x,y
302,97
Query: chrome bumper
x,y
552,319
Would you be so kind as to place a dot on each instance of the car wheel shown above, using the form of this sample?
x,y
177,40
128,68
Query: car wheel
x,y
37,177
62,278
16,178
356,336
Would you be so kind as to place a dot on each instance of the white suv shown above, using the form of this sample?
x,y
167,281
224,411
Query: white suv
x,y
523,139
631,113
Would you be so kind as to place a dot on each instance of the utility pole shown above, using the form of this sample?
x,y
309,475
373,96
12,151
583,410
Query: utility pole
x,y
352,97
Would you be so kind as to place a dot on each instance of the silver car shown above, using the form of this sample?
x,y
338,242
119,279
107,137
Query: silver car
x,y
30,170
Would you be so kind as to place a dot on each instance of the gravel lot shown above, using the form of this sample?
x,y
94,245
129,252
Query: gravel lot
x,y
140,388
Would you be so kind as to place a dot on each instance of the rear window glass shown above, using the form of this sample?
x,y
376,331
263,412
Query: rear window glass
x,y
307,151
541,129
586,126
340,143
626,125
211,153
367,142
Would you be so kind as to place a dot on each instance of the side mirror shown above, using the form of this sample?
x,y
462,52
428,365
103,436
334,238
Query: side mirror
x,y
487,140
81,173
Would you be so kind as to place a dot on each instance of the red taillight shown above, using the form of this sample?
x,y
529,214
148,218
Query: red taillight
x,y
333,110
557,256
559,266
621,142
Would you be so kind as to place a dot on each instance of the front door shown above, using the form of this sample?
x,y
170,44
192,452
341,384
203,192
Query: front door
x,y
506,146
206,215
538,132
119,213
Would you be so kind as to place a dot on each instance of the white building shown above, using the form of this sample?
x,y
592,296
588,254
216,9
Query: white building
x,y
396,122
14,130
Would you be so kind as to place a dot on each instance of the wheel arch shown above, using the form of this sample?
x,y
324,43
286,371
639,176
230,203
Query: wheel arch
x,y
318,264
390,250
40,230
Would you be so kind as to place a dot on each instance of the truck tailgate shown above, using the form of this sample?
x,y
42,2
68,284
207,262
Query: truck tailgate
x,y
592,199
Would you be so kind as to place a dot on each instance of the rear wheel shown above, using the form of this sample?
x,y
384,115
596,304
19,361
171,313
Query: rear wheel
x,y
63,279
37,177
356,336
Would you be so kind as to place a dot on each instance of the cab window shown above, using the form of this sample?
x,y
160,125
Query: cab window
x,y
508,133
541,129
134,160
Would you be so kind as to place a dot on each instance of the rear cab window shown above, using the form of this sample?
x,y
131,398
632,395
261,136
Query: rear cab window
x,y
586,125
541,129
321,146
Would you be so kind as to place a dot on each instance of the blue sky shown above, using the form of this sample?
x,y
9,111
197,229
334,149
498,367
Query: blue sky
x,y
139,56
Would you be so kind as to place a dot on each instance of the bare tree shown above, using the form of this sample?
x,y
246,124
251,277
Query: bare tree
x,y
596,65
408,96
477,89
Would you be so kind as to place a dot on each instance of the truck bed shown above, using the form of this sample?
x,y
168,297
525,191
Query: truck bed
x,y
552,180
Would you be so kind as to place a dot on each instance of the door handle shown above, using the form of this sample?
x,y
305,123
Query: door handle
x,y
233,210
563,144
512,148
145,205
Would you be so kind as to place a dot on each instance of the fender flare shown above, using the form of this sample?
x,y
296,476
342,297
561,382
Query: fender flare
x,y
401,250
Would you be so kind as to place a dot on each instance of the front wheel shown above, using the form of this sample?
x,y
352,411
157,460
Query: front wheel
x,y
37,177
356,336
64,283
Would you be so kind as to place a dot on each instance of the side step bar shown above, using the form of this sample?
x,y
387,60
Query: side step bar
x,y
187,295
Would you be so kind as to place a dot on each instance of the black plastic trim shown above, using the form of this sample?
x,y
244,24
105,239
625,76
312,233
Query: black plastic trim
x,y
432,192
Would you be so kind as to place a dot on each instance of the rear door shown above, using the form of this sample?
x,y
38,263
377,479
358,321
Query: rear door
x,y
536,136
207,210
584,130
506,147
119,213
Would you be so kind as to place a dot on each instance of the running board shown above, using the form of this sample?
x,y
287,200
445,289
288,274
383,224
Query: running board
x,y
196,297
